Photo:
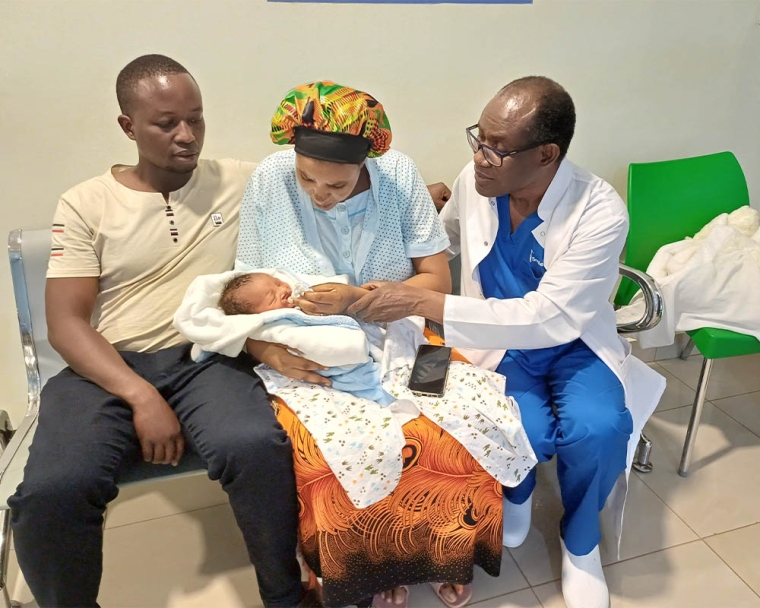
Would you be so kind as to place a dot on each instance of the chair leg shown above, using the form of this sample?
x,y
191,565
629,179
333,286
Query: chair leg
x,y
5,530
6,432
696,415
641,462
687,349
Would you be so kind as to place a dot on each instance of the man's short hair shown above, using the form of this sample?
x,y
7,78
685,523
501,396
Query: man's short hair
x,y
147,66
554,120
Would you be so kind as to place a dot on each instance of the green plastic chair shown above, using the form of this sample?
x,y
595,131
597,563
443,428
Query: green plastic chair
x,y
668,201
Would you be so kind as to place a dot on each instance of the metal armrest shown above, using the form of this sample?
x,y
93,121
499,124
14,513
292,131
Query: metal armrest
x,y
21,294
652,300
652,316
34,381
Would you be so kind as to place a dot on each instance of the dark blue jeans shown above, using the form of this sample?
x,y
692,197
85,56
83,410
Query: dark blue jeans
x,y
84,437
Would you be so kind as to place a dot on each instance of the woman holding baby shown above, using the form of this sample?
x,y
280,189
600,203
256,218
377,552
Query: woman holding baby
x,y
340,203
343,203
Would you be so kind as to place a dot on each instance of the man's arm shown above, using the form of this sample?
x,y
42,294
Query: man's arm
x,y
567,299
440,194
69,303
393,301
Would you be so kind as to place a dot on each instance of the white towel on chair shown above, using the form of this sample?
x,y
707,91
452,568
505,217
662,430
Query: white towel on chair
x,y
711,280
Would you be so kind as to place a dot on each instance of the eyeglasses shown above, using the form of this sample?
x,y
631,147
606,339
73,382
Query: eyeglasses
x,y
493,156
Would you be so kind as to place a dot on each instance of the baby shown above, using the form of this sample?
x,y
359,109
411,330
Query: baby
x,y
254,293
258,292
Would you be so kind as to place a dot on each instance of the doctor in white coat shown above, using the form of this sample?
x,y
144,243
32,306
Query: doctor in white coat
x,y
540,241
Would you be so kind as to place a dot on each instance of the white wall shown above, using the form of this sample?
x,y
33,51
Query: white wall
x,y
651,79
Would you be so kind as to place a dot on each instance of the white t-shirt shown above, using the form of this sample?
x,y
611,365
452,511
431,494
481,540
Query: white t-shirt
x,y
147,250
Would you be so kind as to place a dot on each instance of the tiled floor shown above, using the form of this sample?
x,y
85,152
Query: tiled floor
x,y
689,543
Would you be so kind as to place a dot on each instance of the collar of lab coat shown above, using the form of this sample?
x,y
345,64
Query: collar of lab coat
x,y
556,190
485,217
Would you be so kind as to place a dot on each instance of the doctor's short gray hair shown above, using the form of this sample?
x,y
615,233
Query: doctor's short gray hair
x,y
554,121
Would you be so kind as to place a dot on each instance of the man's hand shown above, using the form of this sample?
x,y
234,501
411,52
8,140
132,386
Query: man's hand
x,y
69,304
440,194
329,299
393,301
387,302
280,359
157,429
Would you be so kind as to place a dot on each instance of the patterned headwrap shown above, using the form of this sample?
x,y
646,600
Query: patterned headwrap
x,y
331,122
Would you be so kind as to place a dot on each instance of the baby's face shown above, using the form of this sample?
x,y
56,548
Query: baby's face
x,y
266,293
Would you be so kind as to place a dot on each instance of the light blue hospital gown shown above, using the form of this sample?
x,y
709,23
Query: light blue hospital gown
x,y
279,227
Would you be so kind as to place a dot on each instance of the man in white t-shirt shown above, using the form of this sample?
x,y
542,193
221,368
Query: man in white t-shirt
x,y
126,245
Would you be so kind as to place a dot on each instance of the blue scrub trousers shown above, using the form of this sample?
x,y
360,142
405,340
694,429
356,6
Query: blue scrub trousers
x,y
576,410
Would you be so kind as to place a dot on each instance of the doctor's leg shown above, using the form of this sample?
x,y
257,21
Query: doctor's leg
x,y
540,423
592,441
593,431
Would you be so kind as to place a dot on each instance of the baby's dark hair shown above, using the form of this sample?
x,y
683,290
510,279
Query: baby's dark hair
x,y
230,301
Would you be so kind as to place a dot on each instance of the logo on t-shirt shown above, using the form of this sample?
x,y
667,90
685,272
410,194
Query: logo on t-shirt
x,y
217,219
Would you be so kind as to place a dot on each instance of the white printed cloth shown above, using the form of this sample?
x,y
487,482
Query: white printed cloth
x,y
361,440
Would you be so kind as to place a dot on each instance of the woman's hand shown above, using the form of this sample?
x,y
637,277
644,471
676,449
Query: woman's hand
x,y
329,299
281,359
372,285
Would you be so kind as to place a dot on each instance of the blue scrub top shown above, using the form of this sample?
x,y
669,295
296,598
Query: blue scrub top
x,y
513,268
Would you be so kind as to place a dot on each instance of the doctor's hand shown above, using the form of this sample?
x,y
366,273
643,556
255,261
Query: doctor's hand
x,y
281,359
329,299
386,302
440,194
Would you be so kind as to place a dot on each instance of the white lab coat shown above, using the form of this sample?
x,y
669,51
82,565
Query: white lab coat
x,y
584,227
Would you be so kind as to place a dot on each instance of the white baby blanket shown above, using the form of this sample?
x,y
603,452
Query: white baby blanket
x,y
335,342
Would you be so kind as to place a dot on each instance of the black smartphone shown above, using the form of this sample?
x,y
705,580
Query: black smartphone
x,y
431,368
